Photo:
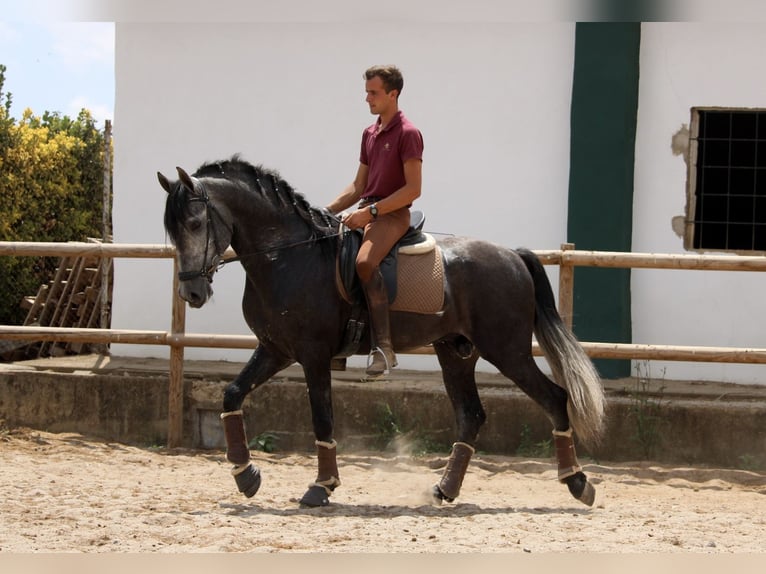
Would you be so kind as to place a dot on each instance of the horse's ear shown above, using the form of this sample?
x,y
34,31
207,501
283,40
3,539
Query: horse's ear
x,y
187,180
164,182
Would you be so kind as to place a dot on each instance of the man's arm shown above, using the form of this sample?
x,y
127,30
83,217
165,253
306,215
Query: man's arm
x,y
413,177
353,191
403,196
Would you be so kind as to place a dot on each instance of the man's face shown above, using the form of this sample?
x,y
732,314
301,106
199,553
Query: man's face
x,y
377,98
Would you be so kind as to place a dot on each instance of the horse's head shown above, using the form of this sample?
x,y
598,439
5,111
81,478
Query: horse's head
x,y
195,228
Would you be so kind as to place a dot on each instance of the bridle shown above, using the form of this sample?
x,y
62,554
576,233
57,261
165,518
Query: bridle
x,y
216,262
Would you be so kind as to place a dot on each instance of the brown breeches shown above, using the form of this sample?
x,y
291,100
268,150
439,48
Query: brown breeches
x,y
380,236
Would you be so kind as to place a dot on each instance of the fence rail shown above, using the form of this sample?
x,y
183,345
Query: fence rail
x,y
595,350
567,258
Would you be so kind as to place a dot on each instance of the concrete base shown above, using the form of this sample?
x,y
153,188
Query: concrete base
x,y
125,400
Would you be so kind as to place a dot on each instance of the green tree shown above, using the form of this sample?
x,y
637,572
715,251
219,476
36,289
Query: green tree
x,y
51,186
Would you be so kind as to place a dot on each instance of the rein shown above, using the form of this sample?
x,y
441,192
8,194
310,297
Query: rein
x,y
275,248
218,262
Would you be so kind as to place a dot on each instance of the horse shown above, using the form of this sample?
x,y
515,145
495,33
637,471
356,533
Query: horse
x,y
494,300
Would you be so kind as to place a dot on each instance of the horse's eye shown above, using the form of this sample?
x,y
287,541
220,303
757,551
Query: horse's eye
x,y
195,225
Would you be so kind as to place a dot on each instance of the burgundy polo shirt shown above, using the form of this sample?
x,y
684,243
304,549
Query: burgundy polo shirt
x,y
384,153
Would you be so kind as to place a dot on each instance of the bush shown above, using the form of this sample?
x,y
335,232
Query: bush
x,y
51,177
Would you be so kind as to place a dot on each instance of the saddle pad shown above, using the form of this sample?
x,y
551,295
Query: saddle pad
x,y
420,282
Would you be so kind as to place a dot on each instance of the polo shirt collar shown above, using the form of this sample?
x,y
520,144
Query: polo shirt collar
x,y
396,120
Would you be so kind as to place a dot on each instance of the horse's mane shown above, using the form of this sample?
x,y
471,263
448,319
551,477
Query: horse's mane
x,y
272,187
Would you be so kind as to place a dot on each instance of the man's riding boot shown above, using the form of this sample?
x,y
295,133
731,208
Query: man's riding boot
x,y
382,354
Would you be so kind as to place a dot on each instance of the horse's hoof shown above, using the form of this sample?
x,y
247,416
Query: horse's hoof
x,y
588,496
439,496
315,497
581,489
248,481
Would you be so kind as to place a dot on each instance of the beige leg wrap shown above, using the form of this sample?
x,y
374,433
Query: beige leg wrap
x,y
565,454
239,469
236,440
328,476
453,476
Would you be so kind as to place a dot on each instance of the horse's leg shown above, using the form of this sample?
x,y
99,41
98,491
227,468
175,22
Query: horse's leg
x,y
319,381
579,397
259,369
570,471
458,359
522,370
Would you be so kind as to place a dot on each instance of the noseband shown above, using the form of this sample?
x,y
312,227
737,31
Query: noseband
x,y
206,272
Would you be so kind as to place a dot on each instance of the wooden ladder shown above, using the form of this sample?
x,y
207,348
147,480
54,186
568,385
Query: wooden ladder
x,y
75,297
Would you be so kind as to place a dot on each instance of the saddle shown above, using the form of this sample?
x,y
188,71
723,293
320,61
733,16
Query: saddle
x,y
413,273
351,239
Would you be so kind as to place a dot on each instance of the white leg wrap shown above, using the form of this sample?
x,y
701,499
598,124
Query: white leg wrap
x,y
239,469
329,485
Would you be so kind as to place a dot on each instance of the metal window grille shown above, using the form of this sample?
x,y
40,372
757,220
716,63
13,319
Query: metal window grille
x,y
727,180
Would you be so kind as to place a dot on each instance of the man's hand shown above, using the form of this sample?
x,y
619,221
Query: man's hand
x,y
358,219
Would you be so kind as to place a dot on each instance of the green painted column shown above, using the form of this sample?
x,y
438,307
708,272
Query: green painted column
x,y
600,216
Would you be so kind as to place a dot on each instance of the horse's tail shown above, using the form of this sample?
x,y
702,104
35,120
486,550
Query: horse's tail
x,y
572,368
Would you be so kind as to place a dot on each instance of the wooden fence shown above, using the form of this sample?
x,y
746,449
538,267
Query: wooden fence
x,y
567,258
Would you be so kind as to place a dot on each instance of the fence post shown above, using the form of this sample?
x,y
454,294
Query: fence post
x,y
176,375
106,263
566,285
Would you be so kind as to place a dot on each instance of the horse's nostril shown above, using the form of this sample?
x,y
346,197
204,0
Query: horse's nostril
x,y
196,292
196,300
193,298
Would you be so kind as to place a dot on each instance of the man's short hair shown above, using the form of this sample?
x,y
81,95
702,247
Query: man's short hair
x,y
390,76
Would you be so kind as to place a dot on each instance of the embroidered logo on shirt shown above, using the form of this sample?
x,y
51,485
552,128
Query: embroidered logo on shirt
x,y
387,146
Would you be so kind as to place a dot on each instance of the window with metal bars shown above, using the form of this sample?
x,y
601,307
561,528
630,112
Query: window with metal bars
x,y
727,180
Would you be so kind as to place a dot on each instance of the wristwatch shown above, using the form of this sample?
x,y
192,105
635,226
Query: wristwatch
x,y
374,211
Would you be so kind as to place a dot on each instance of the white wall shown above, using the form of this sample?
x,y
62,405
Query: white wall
x,y
685,65
492,100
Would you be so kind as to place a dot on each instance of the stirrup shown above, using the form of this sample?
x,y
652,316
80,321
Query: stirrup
x,y
386,370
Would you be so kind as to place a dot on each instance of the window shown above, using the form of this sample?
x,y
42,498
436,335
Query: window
x,y
727,180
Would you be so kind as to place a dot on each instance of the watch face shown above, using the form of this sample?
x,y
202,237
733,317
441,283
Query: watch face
x,y
374,210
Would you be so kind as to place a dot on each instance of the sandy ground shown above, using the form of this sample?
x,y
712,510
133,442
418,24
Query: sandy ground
x,y
68,493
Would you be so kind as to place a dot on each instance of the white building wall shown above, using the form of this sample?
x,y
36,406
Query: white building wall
x,y
685,65
492,100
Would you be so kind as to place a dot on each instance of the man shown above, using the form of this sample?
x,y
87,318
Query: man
x,y
387,181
